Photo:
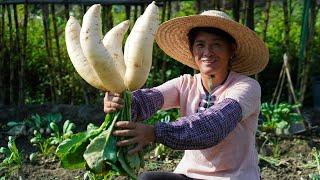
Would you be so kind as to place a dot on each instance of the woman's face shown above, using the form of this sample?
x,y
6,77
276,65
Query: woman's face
x,y
211,53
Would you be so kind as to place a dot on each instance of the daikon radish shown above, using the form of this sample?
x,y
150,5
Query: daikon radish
x,y
79,61
112,41
138,48
95,52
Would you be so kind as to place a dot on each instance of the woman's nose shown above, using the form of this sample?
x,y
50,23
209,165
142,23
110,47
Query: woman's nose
x,y
207,51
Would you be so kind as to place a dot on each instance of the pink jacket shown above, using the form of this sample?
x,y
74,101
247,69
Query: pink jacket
x,y
235,157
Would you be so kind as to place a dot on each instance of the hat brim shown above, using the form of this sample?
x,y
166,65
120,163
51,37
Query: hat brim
x,y
251,56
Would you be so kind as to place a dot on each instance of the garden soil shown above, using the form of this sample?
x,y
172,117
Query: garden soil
x,y
284,158
290,158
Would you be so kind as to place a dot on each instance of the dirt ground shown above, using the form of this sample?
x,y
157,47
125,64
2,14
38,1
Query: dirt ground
x,y
295,162
283,158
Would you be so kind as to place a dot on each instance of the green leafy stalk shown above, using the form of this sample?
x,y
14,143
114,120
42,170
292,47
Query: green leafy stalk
x,y
124,163
134,161
96,148
316,155
13,159
70,151
102,148
44,144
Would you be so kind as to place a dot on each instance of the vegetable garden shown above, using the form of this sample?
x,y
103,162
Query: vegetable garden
x,y
51,113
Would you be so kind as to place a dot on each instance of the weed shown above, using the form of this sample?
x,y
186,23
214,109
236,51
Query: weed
x,y
13,160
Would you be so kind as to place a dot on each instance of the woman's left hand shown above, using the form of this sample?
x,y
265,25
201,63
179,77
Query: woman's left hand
x,y
138,133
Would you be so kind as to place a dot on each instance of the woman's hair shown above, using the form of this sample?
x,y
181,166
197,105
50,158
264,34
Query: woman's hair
x,y
195,31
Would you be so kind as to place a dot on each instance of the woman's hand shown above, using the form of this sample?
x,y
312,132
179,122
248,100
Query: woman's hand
x,y
138,133
112,102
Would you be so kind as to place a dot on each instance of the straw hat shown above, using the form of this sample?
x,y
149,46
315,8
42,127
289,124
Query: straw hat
x,y
251,55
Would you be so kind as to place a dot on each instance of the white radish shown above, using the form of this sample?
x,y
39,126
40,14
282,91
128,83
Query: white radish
x,y
79,61
97,55
138,48
112,41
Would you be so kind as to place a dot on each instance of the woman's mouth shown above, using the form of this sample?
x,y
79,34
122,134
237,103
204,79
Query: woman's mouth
x,y
208,60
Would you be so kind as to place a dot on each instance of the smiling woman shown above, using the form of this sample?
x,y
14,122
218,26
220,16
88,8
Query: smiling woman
x,y
213,51
219,106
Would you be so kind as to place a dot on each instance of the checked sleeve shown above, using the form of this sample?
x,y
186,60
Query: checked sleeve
x,y
200,130
145,102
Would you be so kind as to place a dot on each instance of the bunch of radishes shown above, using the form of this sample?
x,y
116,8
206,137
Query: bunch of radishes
x,y
101,62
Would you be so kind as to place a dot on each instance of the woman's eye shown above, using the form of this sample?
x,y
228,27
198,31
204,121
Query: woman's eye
x,y
199,45
216,44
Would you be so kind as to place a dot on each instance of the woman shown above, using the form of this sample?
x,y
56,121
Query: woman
x,y
219,106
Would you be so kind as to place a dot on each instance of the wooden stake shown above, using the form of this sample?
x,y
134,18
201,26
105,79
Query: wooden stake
x,y
11,66
2,50
20,59
280,79
285,60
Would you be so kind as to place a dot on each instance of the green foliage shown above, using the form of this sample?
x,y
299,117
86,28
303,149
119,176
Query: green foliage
x,y
45,74
96,148
314,176
92,176
186,8
275,42
276,152
13,158
101,146
57,137
316,155
164,116
15,129
36,121
278,117
120,13
47,146
270,150
275,31
160,150
70,151
46,149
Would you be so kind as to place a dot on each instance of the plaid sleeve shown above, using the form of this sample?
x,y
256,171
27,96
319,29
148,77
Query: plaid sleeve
x,y
145,102
200,130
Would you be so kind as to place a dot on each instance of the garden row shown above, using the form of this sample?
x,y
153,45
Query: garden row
x,y
45,132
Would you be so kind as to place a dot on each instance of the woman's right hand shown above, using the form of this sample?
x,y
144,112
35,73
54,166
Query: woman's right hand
x,y
112,102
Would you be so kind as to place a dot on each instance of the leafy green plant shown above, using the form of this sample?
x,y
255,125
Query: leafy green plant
x,y
47,146
46,149
96,150
277,118
316,155
160,150
42,123
276,151
92,176
314,176
164,116
57,137
35,122
14,128
13,160
270,150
